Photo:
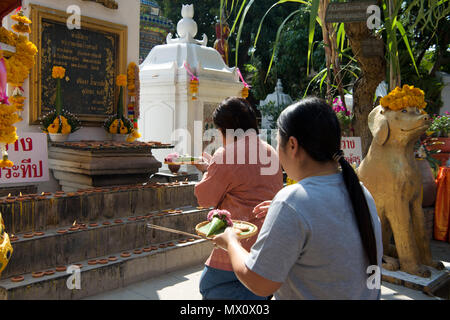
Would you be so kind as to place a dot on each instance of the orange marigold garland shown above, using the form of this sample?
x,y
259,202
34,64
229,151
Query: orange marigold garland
x,y
193,87
22,25
15,70
133,87
405,97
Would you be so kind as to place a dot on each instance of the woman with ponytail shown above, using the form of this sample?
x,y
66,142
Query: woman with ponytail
x,y
322,237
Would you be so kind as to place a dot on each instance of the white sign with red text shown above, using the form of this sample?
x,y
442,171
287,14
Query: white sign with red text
x,y
30,157
352,149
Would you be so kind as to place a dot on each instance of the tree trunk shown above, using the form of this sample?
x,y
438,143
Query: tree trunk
x,y
373,71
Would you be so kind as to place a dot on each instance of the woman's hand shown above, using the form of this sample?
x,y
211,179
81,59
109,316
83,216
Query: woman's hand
x,y
222,240
203,167
262,209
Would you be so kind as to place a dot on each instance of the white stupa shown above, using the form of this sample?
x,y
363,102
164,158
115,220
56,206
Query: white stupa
x,y
278,97
168,112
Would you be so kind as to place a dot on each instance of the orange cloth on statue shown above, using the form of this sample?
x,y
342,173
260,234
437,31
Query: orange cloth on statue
x,y
442,207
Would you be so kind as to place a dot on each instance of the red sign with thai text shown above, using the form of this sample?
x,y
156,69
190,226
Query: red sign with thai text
x,y
30,157
352,149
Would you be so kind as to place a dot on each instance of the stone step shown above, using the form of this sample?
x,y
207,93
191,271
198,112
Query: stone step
x,y
62,246
31,213
94,279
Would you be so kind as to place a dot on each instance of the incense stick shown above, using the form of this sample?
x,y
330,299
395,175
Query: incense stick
x,y
153,226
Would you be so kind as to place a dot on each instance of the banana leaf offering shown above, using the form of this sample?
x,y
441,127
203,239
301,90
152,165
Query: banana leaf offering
x,y
219,220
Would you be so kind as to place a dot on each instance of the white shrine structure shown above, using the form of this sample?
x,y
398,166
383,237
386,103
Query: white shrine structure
x,y
170,113
278,98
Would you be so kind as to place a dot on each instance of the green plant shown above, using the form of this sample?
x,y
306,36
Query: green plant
x,y
440,126
272,112
422,151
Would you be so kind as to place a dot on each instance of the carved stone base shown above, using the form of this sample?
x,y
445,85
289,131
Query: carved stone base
x,y
86,165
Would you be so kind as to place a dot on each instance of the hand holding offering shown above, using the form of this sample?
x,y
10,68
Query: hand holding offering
x,y
220,219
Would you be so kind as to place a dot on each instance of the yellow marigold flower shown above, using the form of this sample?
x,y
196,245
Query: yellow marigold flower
x,y
121,80
58,72
136,134
17,99
56,121
53,128
404,97
21,18
116,123
6,164
66,129
113,129
123,130
21,28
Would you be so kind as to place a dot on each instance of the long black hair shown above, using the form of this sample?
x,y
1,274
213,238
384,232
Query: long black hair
x,y
235,113
315,126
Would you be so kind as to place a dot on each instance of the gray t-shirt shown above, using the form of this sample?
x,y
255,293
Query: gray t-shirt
x,y
311,243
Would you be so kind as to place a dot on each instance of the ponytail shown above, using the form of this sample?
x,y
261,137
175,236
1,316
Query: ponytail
x,y
315,125
360,208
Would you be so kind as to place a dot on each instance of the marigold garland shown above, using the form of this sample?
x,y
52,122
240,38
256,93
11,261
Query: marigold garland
x,y
22,25
133,110
18,67
245,92
401,98
193,88
20,63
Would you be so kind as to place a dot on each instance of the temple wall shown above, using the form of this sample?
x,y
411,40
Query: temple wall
x,y
127,14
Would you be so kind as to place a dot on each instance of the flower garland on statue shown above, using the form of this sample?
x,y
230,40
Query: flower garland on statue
x,y
14,70
118,123
59,120
406,97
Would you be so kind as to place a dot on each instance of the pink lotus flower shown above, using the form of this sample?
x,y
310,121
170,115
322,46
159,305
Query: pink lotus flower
x,y
172,157
224,215
3,82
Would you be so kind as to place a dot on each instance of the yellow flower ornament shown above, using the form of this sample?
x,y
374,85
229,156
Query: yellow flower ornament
x,y
121,80
405,97
58,72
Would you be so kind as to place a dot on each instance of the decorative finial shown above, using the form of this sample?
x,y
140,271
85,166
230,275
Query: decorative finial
x,y
187,28
279,87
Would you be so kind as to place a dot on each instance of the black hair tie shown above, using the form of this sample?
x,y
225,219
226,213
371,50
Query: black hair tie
x,y
338,156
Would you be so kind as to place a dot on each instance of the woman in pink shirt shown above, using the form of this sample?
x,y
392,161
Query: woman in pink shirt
x,y
241,174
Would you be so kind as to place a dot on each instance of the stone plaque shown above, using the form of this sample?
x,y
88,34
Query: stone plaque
x,y
93,56
348,11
